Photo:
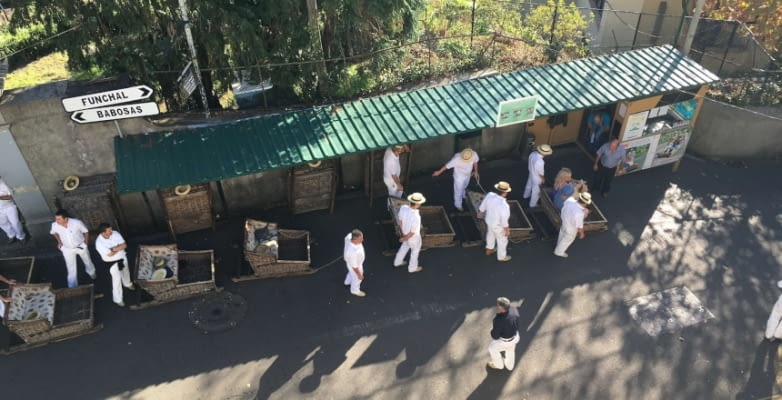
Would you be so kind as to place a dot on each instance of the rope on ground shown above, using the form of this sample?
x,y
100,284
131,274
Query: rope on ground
x,y
328,264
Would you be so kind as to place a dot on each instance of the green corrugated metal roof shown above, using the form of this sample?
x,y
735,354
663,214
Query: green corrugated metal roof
x,y
166,159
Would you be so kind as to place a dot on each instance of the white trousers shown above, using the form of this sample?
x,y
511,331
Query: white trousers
x,y
774,324
497,233
460,183
119,279
393,189
9,222
70,263
532,190
509,347
414,245
2,309
352,280
564,240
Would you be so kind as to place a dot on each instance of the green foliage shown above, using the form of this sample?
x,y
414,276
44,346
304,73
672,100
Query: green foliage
x,y
568,33
24,38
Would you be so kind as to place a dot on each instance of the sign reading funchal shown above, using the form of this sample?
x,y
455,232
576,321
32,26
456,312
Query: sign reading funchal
x,y
98,107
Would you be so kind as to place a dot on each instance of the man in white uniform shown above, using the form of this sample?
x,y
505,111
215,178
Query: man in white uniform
x,y
536,168
72,238
410,227
9,215
497,212
4,300
354,259
573,213
111,247
392,170
464,165
774,323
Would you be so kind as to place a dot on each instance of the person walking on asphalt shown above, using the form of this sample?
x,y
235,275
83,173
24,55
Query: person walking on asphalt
x,y
573,213
410,228
9,215
392,170
609,156
111,247
464,164
354,259
72,240
774,323
536,169
505,332
497,211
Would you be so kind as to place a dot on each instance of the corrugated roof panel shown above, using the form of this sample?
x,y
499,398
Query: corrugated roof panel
x,y
165,159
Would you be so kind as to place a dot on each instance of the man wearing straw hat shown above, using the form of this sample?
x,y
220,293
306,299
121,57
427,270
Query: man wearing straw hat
x,y
573,213
536,169
111,247
410,228
392,170
72,239
497,211
354,259
464,164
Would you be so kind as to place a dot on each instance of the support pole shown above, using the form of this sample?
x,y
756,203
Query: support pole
x,y
189,35
696,16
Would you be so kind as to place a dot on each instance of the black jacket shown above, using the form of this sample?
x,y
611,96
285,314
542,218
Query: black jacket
x,y
506,325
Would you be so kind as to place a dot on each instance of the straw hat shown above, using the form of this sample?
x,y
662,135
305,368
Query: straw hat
x,y
182,190
158,275
315,164
545,150
159,262
467,154
416,198
502,186
585,198
71,182
32,315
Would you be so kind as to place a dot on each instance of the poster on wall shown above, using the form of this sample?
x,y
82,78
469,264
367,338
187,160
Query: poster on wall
x,y
516,111
638,155
634,128
670,146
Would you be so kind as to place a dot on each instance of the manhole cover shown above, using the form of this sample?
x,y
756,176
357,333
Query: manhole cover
x,y
218,313
669,310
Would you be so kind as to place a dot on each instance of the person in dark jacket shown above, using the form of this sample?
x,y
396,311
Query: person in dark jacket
x,y
505,332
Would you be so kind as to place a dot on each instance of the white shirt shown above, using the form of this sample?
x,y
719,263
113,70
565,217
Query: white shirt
x,y
71,236
461,167
104,246
411,220
497,210
535,165
572,215
391,164
354,255
5,190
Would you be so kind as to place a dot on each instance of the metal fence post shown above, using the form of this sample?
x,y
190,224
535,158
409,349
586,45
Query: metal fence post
x,y
637,27
727,47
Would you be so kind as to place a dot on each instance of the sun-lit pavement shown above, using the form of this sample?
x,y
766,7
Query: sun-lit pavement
x,y
712,228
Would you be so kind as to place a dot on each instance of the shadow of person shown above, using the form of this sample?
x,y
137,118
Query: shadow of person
x,y
762,376
280,372
325,361
419,352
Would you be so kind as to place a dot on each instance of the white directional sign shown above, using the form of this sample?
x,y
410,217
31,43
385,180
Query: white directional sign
x,y
103,99
115,112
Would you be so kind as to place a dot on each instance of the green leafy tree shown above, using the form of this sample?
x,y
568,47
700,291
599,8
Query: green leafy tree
x,y
568,33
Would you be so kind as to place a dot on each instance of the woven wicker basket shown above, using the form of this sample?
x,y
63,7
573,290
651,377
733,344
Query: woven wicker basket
x,y
311,188
189,212
520,226
594,222
436,228
19,269
269,265
172,288
77,317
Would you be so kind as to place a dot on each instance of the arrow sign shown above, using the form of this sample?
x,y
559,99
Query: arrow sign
x,y
115,112
103,99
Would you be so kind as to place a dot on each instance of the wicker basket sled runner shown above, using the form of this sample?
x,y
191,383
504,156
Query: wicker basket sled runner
x,y
594,222
41,315
169,274
520,227
273,252
436,228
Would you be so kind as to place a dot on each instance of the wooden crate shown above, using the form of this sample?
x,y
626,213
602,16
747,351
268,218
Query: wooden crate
x,y
94,201
520,226
71,314
594,222
373,172
436,228
292,258
194,274
190,212
312,188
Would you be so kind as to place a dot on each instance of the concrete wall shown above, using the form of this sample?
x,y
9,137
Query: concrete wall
x,y
730,133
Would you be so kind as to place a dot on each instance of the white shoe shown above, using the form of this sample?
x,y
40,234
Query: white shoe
x,y
419,269
359,294
563,255
93,276
401,264
492,366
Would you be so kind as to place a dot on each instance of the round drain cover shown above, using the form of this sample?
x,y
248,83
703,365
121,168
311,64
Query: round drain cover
x,y
218,313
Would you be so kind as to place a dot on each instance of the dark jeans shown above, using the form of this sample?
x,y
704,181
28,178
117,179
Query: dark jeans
x,y
602,181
